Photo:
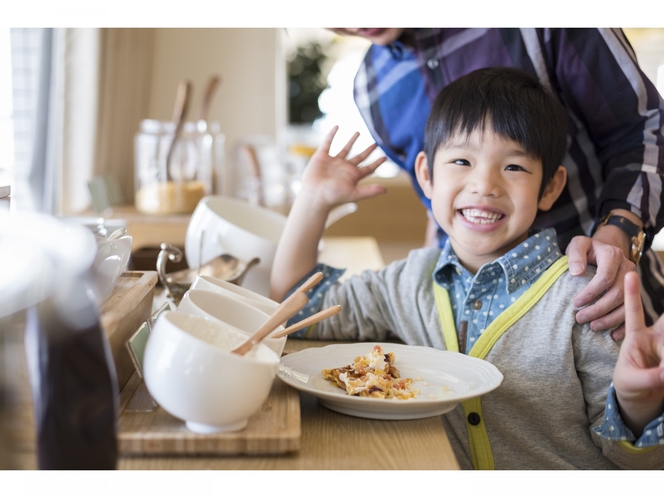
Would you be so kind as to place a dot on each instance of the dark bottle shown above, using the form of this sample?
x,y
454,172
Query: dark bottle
x,y
73,381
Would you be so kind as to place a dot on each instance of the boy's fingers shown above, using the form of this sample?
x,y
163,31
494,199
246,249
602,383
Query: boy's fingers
x,y
370,168
327,141
363,155
634,319
618,334
646,379
349,145
367,191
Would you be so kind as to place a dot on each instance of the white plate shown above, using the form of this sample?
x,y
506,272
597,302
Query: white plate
x,y
446,379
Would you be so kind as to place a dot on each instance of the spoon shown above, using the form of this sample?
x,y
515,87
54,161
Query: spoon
x,y
284,312
179,112
116,234
255,169
291,305
311,281
311,320
207,98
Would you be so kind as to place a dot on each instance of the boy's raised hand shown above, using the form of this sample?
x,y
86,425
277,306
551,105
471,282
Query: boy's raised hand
x,y
327,181
639,374
334,179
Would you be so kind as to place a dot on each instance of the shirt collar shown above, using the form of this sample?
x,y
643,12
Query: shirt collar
x,y
399,50
521,265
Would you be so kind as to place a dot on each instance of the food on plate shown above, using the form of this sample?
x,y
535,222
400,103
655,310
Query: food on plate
x,y
373,375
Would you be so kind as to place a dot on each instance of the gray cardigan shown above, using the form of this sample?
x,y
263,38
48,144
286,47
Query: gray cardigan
x,y
556,372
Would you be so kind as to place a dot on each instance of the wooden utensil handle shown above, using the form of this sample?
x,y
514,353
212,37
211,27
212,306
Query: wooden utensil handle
x,y
311,282
182,99
207,98
311,320
285,311
179,112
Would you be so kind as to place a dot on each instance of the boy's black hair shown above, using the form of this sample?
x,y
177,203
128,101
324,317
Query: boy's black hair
x,y
516,106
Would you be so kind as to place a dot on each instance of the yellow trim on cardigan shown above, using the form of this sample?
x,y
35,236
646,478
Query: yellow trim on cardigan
x,y
628,447
480,446
517,309
478,437
307,333
446,317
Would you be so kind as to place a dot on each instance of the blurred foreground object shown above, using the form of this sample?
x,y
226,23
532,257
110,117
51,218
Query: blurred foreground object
x,y
50,312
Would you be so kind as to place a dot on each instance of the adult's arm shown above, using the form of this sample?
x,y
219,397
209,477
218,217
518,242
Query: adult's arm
x,y
596,74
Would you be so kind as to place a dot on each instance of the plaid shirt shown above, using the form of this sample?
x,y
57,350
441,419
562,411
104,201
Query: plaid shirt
x,y
615,157
616,149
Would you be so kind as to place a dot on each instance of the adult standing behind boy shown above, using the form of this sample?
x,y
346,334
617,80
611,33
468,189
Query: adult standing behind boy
x,y
499,288
615,155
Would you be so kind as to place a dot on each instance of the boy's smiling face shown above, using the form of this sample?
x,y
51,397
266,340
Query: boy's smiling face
x,y
484,194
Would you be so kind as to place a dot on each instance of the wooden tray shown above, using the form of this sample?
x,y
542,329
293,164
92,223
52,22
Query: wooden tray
x,y
275,429
123,313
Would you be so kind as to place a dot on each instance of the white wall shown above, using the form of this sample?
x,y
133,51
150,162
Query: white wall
x,y
251,98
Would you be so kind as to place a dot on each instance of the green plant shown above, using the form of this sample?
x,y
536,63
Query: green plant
x,y
306,82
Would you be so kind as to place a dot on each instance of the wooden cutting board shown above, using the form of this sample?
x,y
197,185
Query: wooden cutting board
x,y
123,313
275,429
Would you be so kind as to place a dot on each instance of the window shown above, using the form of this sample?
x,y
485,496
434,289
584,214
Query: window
x,y
6,107
344,55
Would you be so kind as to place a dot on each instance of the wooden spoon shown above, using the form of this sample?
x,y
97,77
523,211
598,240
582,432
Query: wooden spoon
x,y
315,318
284,312
311,281
291,305
255,169
207,98
179,113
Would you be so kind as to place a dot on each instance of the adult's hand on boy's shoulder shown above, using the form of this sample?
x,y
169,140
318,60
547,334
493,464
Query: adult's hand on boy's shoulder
x,y
608,284
639,374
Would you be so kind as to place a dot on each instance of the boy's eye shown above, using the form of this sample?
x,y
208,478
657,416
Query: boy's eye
x,y
514,167
461,162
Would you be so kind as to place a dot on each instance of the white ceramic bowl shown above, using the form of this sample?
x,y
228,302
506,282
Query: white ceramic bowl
x,y
190,371
224,225
227,308
205,282
111,261
93,223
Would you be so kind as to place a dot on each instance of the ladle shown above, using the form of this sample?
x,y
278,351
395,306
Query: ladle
x,y
224,267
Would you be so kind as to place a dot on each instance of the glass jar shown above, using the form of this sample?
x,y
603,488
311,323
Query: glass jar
x,y
195,169
260,175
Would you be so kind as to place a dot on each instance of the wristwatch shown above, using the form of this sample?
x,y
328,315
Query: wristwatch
x,y
636,233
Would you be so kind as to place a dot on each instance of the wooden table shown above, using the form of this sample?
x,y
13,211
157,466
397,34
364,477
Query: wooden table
x,y
332,441
355,254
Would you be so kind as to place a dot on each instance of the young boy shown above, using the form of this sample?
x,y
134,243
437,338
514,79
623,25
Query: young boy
x,y
499,289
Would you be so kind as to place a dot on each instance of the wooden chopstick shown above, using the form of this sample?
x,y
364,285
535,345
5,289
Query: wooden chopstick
x,y
315,318
284,312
